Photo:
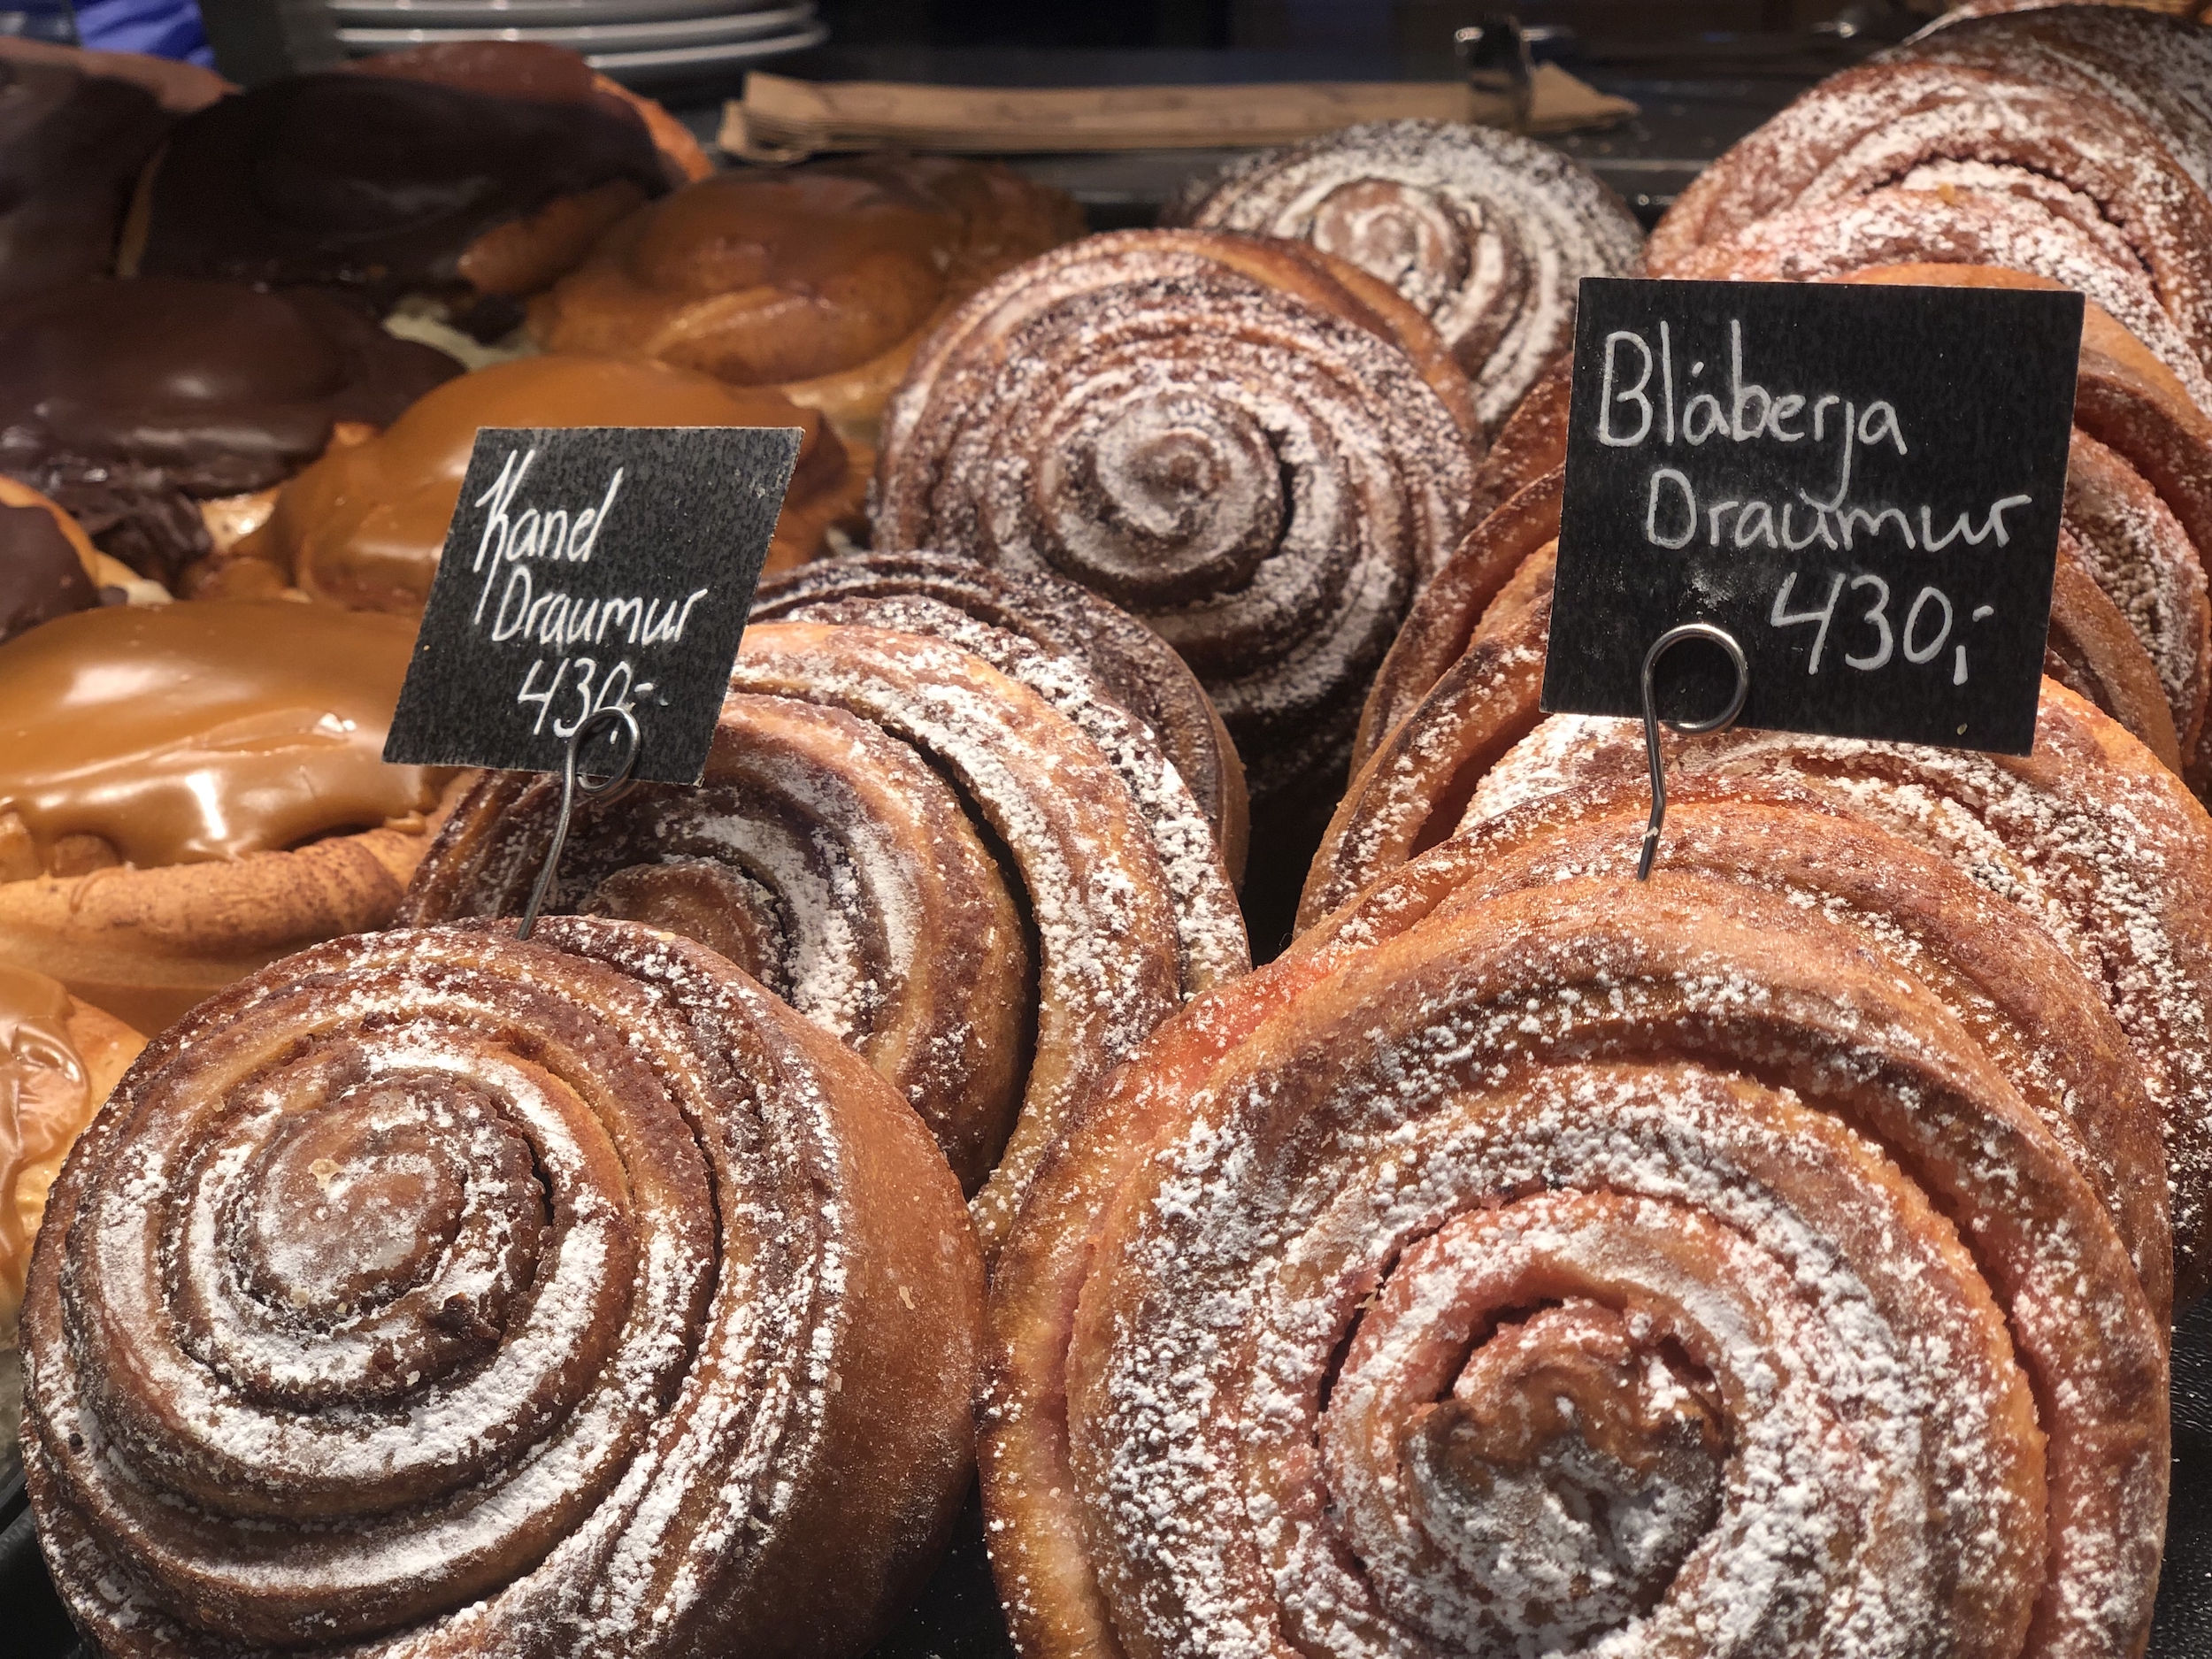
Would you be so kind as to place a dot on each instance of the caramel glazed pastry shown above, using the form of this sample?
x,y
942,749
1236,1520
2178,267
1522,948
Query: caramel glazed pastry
x,y
364,526
147,407
820,280
1254,446
436,1293
1535,1259
350,178
59,1059
188,791
951,844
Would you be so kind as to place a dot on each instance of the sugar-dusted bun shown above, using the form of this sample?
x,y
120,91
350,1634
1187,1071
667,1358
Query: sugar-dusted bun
x,y
364,526
1486,233
188,791
131,403
820,280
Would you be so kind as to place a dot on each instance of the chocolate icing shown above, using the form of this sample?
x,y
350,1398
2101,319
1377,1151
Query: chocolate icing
x,y
196,730
72,147
41,575
374,180
126,401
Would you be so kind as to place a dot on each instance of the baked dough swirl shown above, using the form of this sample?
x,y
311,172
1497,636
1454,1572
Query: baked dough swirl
x,y
1487,233
555,1294
2090,837
1263,481
1594,1268
925,855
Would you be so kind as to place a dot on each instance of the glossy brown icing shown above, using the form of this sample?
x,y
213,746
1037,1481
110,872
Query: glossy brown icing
x,y
44,1087
364,526
72,147
128,401
179,733
41,575
353,178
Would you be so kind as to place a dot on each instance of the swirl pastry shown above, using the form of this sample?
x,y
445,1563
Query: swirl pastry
x,y
2098,844
923,855
364,527
58,1059
1264,481
1030,628
132,403
188,791
566,1297
1568,1272
1487,233
820,280
354,185
2081,134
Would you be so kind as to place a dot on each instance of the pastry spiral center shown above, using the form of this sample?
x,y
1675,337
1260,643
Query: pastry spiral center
x,y
1413,239
1555,1474
1158,499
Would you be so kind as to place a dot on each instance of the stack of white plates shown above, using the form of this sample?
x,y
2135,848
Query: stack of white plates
x,y
634,41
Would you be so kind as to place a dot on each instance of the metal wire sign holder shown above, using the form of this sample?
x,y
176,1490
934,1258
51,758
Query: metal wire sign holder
x,y
575,784
1720,722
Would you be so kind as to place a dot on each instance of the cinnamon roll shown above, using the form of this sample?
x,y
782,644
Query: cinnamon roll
x,y
562,1297
820,280
926,857
188,791
1030,628
59,1059
1487,233
364,527
2082,131
132,403
355,184
1264,481
2098,844
1565,1270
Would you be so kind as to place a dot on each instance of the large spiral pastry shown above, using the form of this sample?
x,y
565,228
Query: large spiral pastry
x,y
924,855
1487,233
2098,844
1061,640
1597,1269
2085,131
432,1293
1262,480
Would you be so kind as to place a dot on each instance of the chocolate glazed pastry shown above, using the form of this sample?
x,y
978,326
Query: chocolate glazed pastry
x,y
351,179
41,575
564,1298
130,402
189,790
1132,667
72,147
364,526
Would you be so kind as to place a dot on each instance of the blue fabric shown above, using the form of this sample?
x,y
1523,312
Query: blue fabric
x,y
160,28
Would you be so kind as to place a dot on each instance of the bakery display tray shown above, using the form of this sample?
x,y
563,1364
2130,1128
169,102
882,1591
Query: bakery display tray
x,y
957,1616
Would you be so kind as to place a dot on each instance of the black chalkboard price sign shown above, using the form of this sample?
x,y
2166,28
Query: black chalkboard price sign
x,y
1861,484
587,569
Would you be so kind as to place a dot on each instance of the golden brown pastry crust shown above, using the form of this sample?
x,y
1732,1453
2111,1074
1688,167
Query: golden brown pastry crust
x,y
1269,1209
820,280
596,1198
